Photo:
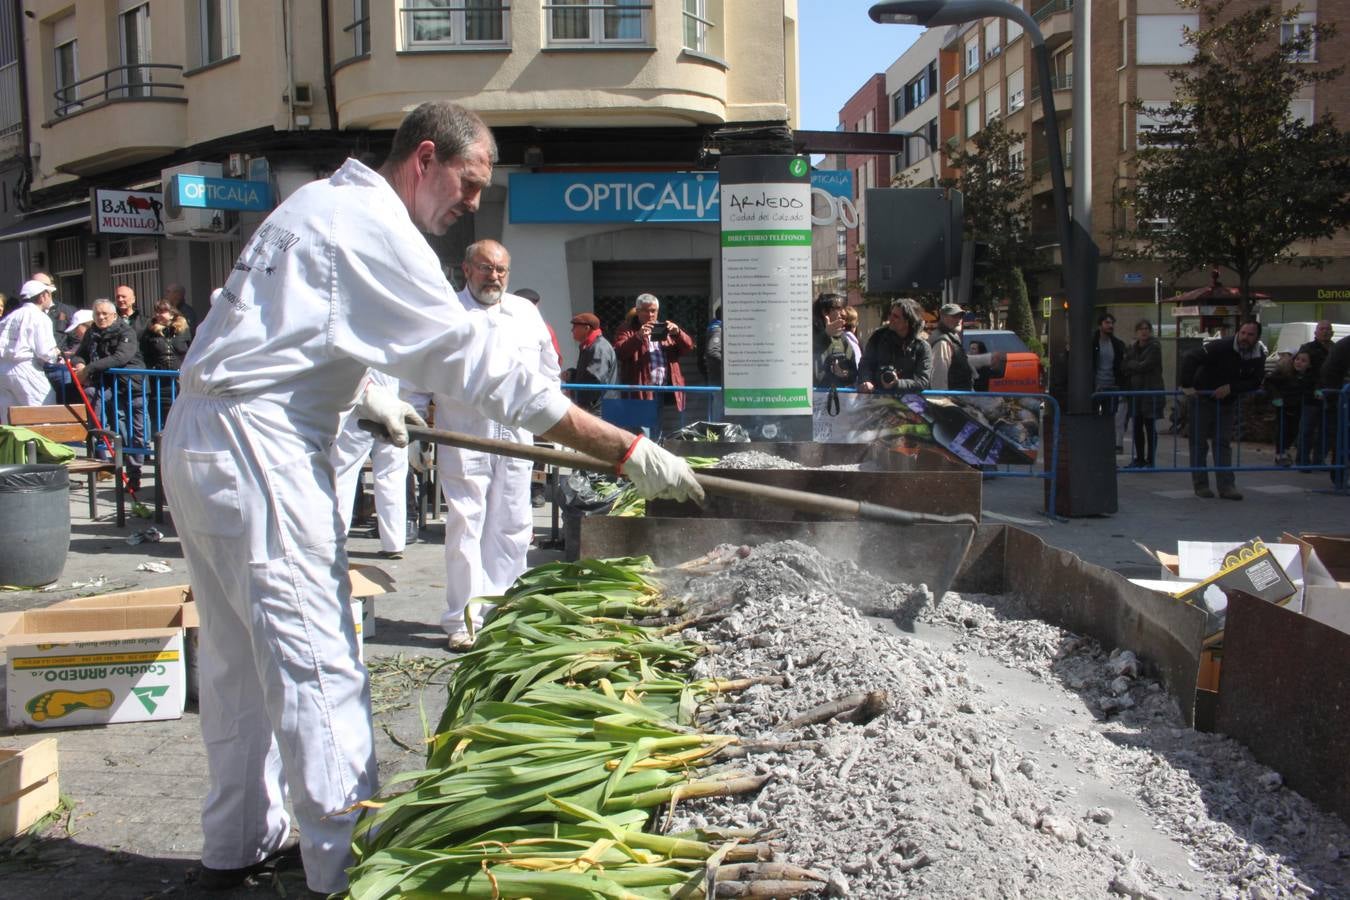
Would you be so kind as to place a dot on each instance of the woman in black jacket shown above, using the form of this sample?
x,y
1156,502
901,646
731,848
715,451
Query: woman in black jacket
x,y
164,343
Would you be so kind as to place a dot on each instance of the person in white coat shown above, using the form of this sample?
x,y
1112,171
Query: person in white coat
x,y
337,280
389,469
27,345
489,520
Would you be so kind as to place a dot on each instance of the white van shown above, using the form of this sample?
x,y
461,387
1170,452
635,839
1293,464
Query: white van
x,y
1292,335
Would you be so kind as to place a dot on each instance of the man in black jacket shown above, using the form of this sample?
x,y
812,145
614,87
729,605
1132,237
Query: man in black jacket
x,y
1335,377
896,359
1224,369
1108,356
111,343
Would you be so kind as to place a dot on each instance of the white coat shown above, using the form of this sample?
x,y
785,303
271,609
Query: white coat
x,y
489,520
336,280
26,345
389,469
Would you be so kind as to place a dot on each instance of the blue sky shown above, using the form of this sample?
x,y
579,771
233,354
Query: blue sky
x,y
840,48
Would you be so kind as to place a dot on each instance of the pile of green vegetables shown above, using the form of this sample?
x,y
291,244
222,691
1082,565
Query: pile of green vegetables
x,y
568,728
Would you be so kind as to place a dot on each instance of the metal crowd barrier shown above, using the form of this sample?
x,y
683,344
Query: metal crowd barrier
x,y
1332,420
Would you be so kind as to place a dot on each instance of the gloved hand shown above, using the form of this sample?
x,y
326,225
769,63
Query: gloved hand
x,y
659,473
379,404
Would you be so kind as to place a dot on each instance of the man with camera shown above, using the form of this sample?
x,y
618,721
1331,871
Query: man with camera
x,y
649,349
896,359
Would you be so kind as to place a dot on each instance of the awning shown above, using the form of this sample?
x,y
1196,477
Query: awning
x,y
48,220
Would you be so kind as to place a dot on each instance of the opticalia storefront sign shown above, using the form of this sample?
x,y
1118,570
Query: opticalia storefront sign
x,y
540,198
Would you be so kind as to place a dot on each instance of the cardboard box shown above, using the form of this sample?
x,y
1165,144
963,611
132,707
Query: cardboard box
x,y
1334,552
1252,568
80,666
367,582
29,786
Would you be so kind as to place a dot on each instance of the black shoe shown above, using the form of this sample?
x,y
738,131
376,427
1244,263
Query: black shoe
x,y
1204,493
1230,493
209,879
391,554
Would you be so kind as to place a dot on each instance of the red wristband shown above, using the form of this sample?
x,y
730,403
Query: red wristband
x,y
618,469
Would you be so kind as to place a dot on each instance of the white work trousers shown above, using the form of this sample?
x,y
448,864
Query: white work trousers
x,y
284,702
24,385
488,525
389,466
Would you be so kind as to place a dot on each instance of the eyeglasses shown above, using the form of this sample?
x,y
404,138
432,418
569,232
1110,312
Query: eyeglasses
x,y
489,269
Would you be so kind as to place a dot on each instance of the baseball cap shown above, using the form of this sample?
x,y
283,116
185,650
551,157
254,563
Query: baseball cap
x,y
588,319
81,317
951,309
34,288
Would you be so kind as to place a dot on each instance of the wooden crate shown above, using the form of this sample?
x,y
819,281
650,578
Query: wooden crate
x,y
28,786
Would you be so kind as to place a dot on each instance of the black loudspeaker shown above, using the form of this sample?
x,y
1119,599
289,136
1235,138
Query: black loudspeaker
x,y
1085,484
913,238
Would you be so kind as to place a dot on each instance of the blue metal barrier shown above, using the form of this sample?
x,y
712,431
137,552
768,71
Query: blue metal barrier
x,y
147,394
1333,431
711,397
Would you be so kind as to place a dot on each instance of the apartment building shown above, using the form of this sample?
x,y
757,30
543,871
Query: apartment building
x,y
868,110
915,91
987,71
157,134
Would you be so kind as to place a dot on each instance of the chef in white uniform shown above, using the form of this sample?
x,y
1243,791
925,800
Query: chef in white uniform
x,y
336,281
26,345
388,468
489,519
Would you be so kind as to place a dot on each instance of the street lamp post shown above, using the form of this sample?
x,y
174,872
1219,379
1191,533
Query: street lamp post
x,y
1077,250
1089,471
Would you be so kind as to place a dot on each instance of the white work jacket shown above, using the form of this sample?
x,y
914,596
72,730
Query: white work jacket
x,y
530,343
338,280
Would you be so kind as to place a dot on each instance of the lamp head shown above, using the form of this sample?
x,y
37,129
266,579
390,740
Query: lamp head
x,y
906,12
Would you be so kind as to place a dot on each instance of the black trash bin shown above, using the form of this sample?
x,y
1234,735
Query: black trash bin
x,y
34,524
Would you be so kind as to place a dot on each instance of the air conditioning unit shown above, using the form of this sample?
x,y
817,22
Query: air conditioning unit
x,y
190,222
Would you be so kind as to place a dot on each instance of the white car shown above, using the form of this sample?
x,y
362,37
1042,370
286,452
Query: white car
x,y
1291,335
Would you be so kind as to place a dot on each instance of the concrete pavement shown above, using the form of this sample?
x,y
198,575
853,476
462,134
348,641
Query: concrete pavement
x,y
131,829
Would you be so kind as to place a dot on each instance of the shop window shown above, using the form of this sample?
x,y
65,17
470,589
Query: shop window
x,y
440,24
600,23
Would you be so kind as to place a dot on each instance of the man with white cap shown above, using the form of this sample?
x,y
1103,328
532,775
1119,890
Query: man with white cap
x,y
952,371
336,281
26,347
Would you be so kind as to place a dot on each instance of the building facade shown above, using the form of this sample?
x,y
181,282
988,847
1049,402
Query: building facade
x,y
868,110
987,71
598,109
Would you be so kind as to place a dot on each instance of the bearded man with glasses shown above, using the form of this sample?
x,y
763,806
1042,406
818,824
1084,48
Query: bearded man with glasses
x,y
490,520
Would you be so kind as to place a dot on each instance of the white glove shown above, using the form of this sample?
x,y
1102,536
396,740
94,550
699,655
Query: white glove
x,y
379,404
659,473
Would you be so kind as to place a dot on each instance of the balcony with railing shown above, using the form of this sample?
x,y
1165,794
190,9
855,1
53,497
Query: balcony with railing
x,y
1062,86
117,117
1056,21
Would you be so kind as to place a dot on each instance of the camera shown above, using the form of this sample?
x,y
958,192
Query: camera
x,y
660,330
844,363
889,377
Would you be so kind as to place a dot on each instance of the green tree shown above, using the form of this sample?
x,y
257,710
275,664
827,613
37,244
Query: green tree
x,y
1226,176
997,208
1020,321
